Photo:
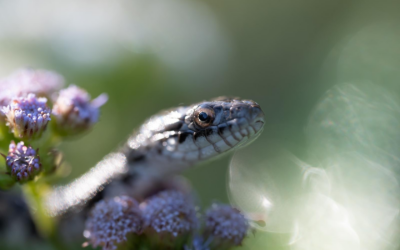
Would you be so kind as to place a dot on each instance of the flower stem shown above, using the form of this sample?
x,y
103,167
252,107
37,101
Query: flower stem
x,y
33,192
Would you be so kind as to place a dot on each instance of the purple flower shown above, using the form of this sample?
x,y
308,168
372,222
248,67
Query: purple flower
x,y
25,81
40,82
27,117
112,220
22,162
170,213
226,225
74,111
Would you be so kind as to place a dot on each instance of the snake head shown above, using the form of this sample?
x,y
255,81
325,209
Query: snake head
x,y
187,135
224,124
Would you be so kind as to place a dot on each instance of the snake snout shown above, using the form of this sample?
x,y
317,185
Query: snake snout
x,y
256,113
249,116
257,117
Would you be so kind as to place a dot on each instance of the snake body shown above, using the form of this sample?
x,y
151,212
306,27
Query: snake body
x,y
167,143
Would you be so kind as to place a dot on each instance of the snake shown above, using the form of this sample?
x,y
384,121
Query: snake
x,y
166,144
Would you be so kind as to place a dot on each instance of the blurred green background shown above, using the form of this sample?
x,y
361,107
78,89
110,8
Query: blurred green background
x,y
150,55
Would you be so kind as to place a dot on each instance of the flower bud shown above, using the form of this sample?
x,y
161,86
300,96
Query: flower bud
x,y
22,162
169,214
39,82
111,221
27,117
25,81
74,112
226,225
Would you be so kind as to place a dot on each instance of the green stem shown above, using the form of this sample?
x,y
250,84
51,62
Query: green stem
x,y
5,137
46,225
32,193
45,146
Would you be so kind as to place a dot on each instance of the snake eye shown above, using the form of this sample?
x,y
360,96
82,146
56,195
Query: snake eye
x,y
204,116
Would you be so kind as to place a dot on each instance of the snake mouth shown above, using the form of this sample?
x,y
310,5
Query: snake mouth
x,y
258,126
251,129
249,140
256,120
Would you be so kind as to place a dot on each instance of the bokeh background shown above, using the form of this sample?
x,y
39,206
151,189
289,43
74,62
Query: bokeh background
x,y
150,55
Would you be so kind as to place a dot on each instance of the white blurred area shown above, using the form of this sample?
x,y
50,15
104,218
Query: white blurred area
x,y
183,35
345,195
348,197
353,134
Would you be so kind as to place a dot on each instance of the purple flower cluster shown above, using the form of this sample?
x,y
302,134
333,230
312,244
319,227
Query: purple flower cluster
x,y
167,219
22,162
226,223
23,103
170,212
167,215
25,109
27,116
29,81
111,220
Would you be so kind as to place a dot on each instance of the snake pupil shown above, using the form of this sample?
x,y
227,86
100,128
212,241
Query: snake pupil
x,y
203,117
